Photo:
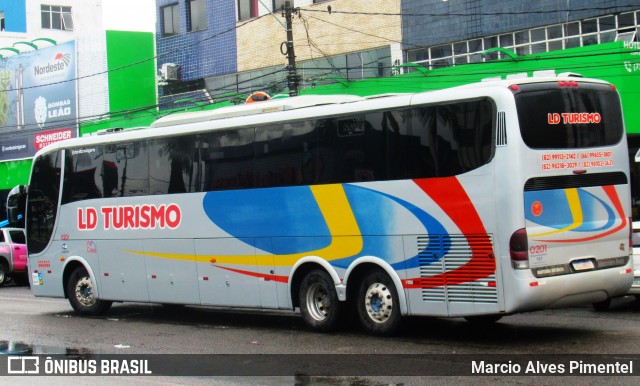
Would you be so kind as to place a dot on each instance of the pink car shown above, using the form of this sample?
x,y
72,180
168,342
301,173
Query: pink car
x,y
13,255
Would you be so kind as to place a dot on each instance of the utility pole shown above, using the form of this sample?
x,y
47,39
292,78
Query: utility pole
x,y
293,79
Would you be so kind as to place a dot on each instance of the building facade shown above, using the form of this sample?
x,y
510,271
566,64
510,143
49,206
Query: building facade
x,y
440,33
63,73
214,50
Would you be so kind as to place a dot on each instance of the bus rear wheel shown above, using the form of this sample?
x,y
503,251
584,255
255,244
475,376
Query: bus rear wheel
x,y
319,302
82,295
378,304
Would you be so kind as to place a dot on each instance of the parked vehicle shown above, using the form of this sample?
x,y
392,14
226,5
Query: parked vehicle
x,y
13,255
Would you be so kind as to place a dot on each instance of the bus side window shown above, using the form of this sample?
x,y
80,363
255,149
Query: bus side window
x,y
423,149
282,152
227,158
359,145
82,180
471,132
126,168
172,165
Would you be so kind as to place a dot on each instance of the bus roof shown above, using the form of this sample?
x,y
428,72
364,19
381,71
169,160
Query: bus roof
x,y
274,105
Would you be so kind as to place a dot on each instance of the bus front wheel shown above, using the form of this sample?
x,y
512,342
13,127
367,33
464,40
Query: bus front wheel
x,y
82,295
378,304
319,302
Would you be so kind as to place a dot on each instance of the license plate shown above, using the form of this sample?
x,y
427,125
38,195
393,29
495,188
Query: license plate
x,y
582,265
636,282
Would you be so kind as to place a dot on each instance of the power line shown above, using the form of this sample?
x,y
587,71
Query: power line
x,y
465,14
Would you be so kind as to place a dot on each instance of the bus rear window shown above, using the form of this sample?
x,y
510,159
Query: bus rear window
x,y
565,117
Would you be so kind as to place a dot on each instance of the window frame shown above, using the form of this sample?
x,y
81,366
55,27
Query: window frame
x,y
58,17
200,6
175,19
253,9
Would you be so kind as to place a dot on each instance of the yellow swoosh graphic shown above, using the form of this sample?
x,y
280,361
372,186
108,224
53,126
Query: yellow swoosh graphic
x,y
346,239
576,213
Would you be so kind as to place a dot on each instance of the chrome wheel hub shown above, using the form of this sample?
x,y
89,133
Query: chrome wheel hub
x,y
378,302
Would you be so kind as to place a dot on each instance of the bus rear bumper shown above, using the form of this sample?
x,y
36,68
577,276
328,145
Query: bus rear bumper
x,y
575,289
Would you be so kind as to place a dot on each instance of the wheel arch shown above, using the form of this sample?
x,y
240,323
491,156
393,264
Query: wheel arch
x,y
70,265
361,266
303,267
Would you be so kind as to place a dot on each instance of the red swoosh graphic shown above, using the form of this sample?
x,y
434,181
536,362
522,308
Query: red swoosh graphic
x,y
279,279
610,190
449,194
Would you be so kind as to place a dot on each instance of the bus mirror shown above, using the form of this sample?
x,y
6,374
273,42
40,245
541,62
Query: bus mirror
x,y
14,215
16,203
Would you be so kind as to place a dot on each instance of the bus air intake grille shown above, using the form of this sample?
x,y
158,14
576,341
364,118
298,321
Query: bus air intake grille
x,y
501,129
575,181
448,273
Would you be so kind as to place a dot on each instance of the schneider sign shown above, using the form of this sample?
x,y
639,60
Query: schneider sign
x,y
38,100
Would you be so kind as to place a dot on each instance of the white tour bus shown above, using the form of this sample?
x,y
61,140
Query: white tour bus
x,y
476,201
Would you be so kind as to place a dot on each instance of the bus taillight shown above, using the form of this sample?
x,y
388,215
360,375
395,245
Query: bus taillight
x,y
568,83
519,249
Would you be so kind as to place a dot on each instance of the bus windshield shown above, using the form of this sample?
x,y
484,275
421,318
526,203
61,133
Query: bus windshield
x,y
569,116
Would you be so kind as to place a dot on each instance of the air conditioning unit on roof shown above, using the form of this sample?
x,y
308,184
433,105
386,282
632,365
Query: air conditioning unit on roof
x,y
169,71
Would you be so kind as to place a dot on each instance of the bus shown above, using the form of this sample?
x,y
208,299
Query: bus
x,y
477,201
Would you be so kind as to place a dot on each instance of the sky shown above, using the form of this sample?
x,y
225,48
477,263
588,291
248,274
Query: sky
x,y
140,15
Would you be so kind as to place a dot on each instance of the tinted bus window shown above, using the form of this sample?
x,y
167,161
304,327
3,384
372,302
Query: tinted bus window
x,y
173,165
569,117
358,148
127,165
454,138
284,154
42,205
227,158
465,132
84,175
411,146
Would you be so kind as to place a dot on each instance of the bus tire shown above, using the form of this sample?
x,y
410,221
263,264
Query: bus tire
x,y
82,295
378,304
319,302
